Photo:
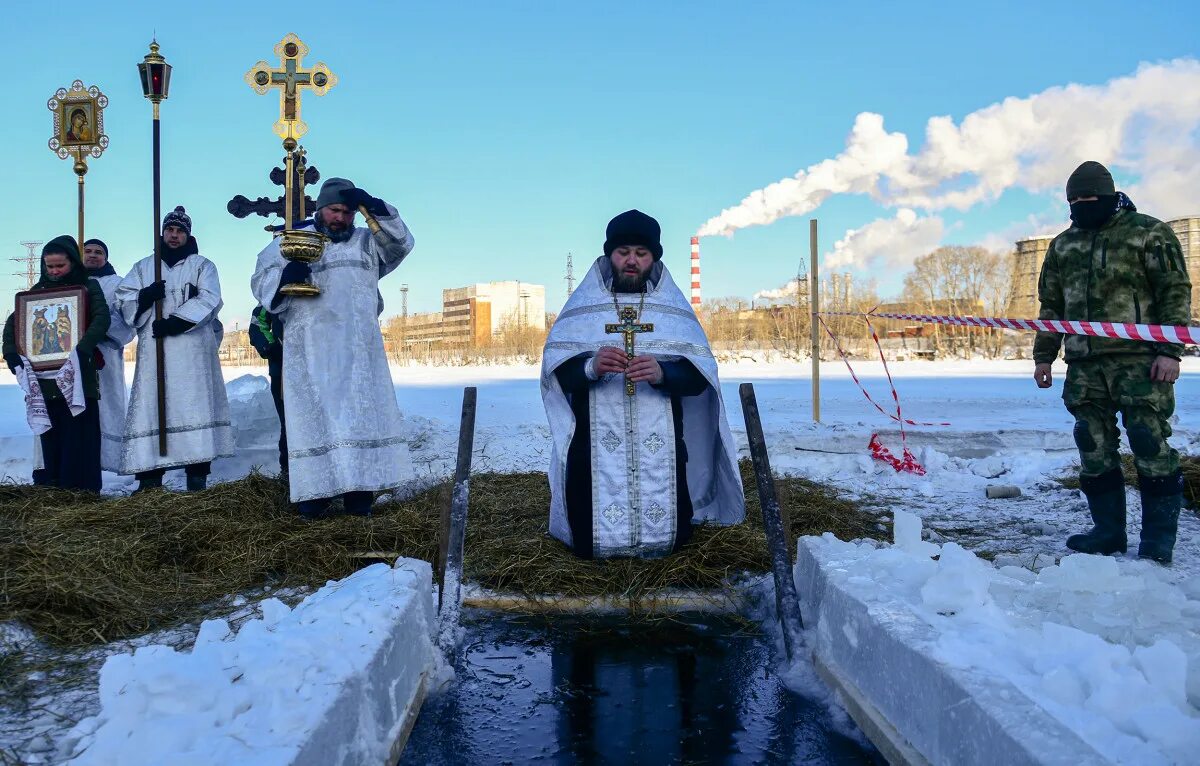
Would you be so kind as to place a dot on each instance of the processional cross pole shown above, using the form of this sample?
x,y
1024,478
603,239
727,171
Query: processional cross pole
x,y
629,327
291,79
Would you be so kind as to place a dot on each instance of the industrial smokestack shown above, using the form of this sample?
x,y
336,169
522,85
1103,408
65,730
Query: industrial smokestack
x,y
696,273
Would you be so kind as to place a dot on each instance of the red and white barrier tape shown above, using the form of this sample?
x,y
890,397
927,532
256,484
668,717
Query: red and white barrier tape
x,y
1153,333
907,464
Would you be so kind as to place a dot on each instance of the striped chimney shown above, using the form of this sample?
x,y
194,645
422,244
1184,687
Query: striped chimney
x,y
696,273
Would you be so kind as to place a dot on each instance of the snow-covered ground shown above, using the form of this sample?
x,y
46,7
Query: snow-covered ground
x,y
1003,431
1093,659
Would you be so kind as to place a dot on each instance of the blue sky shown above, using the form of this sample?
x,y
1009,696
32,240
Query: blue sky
x,y
508,133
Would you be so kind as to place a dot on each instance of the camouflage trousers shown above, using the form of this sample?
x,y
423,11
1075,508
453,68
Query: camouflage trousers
x,y
1096,390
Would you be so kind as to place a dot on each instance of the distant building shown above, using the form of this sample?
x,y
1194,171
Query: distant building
x,y
1188,231
476,315
1031,252
1027,268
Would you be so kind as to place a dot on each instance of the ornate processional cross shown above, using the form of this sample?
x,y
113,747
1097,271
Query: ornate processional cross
x,y
290,78
629,327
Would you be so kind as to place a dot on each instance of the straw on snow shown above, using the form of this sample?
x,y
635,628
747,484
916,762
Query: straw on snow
x,y
79,569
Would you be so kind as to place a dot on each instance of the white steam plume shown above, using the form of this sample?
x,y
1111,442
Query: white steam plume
x,y
892,243
1143,124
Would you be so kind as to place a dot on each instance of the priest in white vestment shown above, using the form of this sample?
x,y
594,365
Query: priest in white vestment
x,y
198,429
113,395
630,474
344,429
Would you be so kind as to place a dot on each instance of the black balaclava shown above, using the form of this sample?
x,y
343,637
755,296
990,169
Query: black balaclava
x,y
107,268
1091,179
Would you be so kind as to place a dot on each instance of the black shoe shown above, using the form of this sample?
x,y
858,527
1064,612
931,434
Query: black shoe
x,y
358,503
1162,497
311,510
1106,501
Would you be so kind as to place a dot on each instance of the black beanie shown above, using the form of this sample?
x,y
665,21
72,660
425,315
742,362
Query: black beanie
x,y
633,227
99,242
1091,179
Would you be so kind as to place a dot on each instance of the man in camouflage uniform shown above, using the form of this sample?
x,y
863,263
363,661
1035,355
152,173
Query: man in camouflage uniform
x,y
1117,265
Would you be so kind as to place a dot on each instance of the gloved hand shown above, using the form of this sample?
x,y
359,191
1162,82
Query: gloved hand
x,y
151,293
355,197
295,273
259,341
13,361
172,325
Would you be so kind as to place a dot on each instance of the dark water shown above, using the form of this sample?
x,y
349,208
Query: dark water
x,y
574,690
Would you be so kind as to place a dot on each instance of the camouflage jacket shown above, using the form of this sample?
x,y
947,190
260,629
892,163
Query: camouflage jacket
x,y
1130,270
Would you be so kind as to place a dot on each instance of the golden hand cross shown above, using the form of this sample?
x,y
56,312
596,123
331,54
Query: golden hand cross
x,y
629,328
290,78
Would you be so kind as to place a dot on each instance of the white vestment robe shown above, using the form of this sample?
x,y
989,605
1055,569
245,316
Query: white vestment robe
x,y
198,429
344,429
633,455
113,396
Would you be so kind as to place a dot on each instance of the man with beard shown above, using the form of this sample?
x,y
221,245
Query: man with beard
x,y
342,421
113,396
642,447
1117,265
198,429
70,449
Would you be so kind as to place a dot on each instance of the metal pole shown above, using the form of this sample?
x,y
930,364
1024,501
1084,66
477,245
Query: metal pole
x,y
814,303
787,603
80,170
159,349
454,514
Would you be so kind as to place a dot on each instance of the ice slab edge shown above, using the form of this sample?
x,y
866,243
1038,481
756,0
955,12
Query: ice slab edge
x,y
947,715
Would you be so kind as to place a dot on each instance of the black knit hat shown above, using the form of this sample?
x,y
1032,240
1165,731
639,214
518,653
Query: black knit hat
x,y
1091,179
99,242
633,227
178,217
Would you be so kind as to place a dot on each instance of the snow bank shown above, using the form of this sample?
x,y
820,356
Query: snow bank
x,y
333,681
1092,660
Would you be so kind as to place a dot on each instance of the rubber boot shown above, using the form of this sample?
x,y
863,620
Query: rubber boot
x,y
1106,501
1162,497
310,510
358,503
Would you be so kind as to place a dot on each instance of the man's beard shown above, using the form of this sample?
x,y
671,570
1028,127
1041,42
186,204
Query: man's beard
x,y
334,236
630,283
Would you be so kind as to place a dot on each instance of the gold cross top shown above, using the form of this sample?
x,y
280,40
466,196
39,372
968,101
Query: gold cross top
x,y
290,78
629,327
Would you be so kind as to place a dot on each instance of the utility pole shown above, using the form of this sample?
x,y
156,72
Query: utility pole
x,y
570,276
403,317
29,260
814,302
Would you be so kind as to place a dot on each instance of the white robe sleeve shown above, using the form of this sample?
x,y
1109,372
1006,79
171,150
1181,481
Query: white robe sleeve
x,y
126,298
207,302
393,243
119,331
264,283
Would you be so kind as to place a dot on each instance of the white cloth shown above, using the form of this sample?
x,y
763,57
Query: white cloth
x,y
641,462
113,395
69,383
344,428
198,429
